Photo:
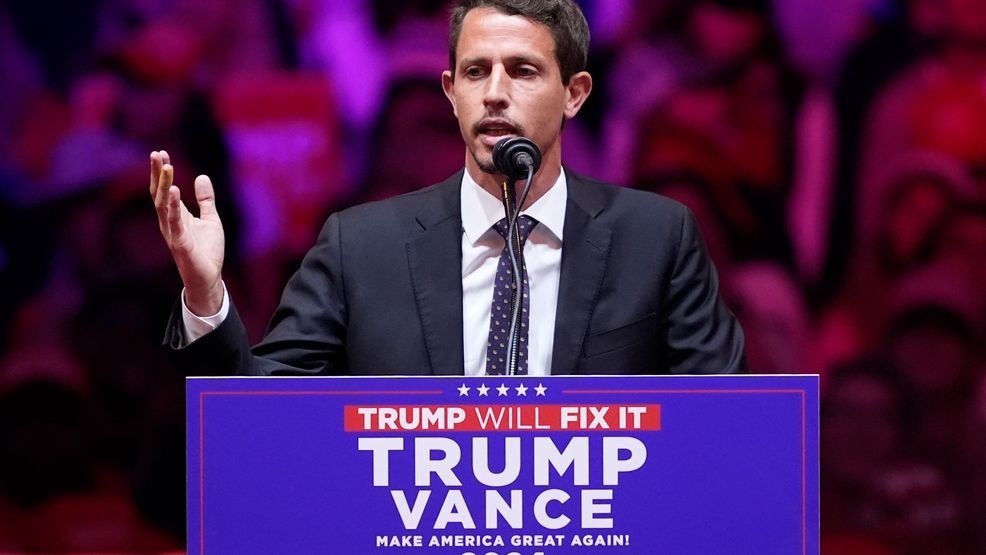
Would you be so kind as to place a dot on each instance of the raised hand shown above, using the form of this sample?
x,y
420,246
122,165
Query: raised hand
x,y
197,244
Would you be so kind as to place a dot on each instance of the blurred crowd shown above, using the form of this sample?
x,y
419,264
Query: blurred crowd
x,y
834,153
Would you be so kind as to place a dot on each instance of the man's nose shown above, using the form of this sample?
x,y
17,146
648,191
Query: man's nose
x,y
497,94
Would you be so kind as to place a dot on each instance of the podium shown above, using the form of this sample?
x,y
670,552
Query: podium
x,y
495,465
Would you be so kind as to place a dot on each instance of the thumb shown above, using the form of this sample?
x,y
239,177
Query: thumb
x,y
205,196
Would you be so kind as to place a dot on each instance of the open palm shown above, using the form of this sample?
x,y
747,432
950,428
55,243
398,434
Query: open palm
x,y
197,244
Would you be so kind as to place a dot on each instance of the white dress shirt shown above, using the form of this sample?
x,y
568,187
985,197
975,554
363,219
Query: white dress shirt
x,y
481,248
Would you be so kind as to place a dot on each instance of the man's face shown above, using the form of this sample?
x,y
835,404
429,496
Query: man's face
x,y
507,83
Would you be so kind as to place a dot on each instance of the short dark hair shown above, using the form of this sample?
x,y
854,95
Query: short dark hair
x,y
563,18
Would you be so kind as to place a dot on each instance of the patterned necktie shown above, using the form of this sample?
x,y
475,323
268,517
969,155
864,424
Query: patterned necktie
x,y
496,349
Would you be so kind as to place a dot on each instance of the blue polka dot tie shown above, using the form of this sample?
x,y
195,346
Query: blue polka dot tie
x,y
496,349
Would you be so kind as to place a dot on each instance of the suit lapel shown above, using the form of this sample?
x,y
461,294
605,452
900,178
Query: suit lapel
x,y
585,253
434,254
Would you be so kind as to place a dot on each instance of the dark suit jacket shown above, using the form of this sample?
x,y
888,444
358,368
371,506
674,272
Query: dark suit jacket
x,y
381,293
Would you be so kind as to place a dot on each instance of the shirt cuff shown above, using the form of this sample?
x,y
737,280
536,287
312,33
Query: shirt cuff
x,y
198,326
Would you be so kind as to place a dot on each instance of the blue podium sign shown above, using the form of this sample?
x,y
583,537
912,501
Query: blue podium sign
x,y
622,465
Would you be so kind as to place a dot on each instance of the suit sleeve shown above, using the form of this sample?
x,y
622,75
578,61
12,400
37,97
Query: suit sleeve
x,y
703,335
306,334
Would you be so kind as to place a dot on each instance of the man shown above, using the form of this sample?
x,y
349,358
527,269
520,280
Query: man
x,y
619,281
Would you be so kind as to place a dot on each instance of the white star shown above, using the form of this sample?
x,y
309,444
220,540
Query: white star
x,y
502,390
521,390
464,391
482,389
540,389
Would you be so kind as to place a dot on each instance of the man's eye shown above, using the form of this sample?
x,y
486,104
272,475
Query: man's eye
x,y
525,71
473,72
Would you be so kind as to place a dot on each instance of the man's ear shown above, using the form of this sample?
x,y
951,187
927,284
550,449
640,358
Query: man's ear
x,y
576,93
448,85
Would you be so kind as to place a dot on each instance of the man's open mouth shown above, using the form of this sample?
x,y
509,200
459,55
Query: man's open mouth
x,y
492,130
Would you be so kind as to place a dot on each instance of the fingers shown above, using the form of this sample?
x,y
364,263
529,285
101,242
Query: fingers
x,y
173,211
166,179
205,196
155,172
166,195
158,159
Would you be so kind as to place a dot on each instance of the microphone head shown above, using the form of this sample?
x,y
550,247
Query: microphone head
x,y
513,155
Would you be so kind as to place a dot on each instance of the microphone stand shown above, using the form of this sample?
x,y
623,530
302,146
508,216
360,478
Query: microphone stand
x,y
514,247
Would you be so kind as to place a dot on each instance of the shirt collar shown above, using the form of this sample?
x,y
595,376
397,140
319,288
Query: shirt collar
x,y
480,209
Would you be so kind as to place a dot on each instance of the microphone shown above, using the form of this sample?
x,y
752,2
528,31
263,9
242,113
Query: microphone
x,y
513,157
